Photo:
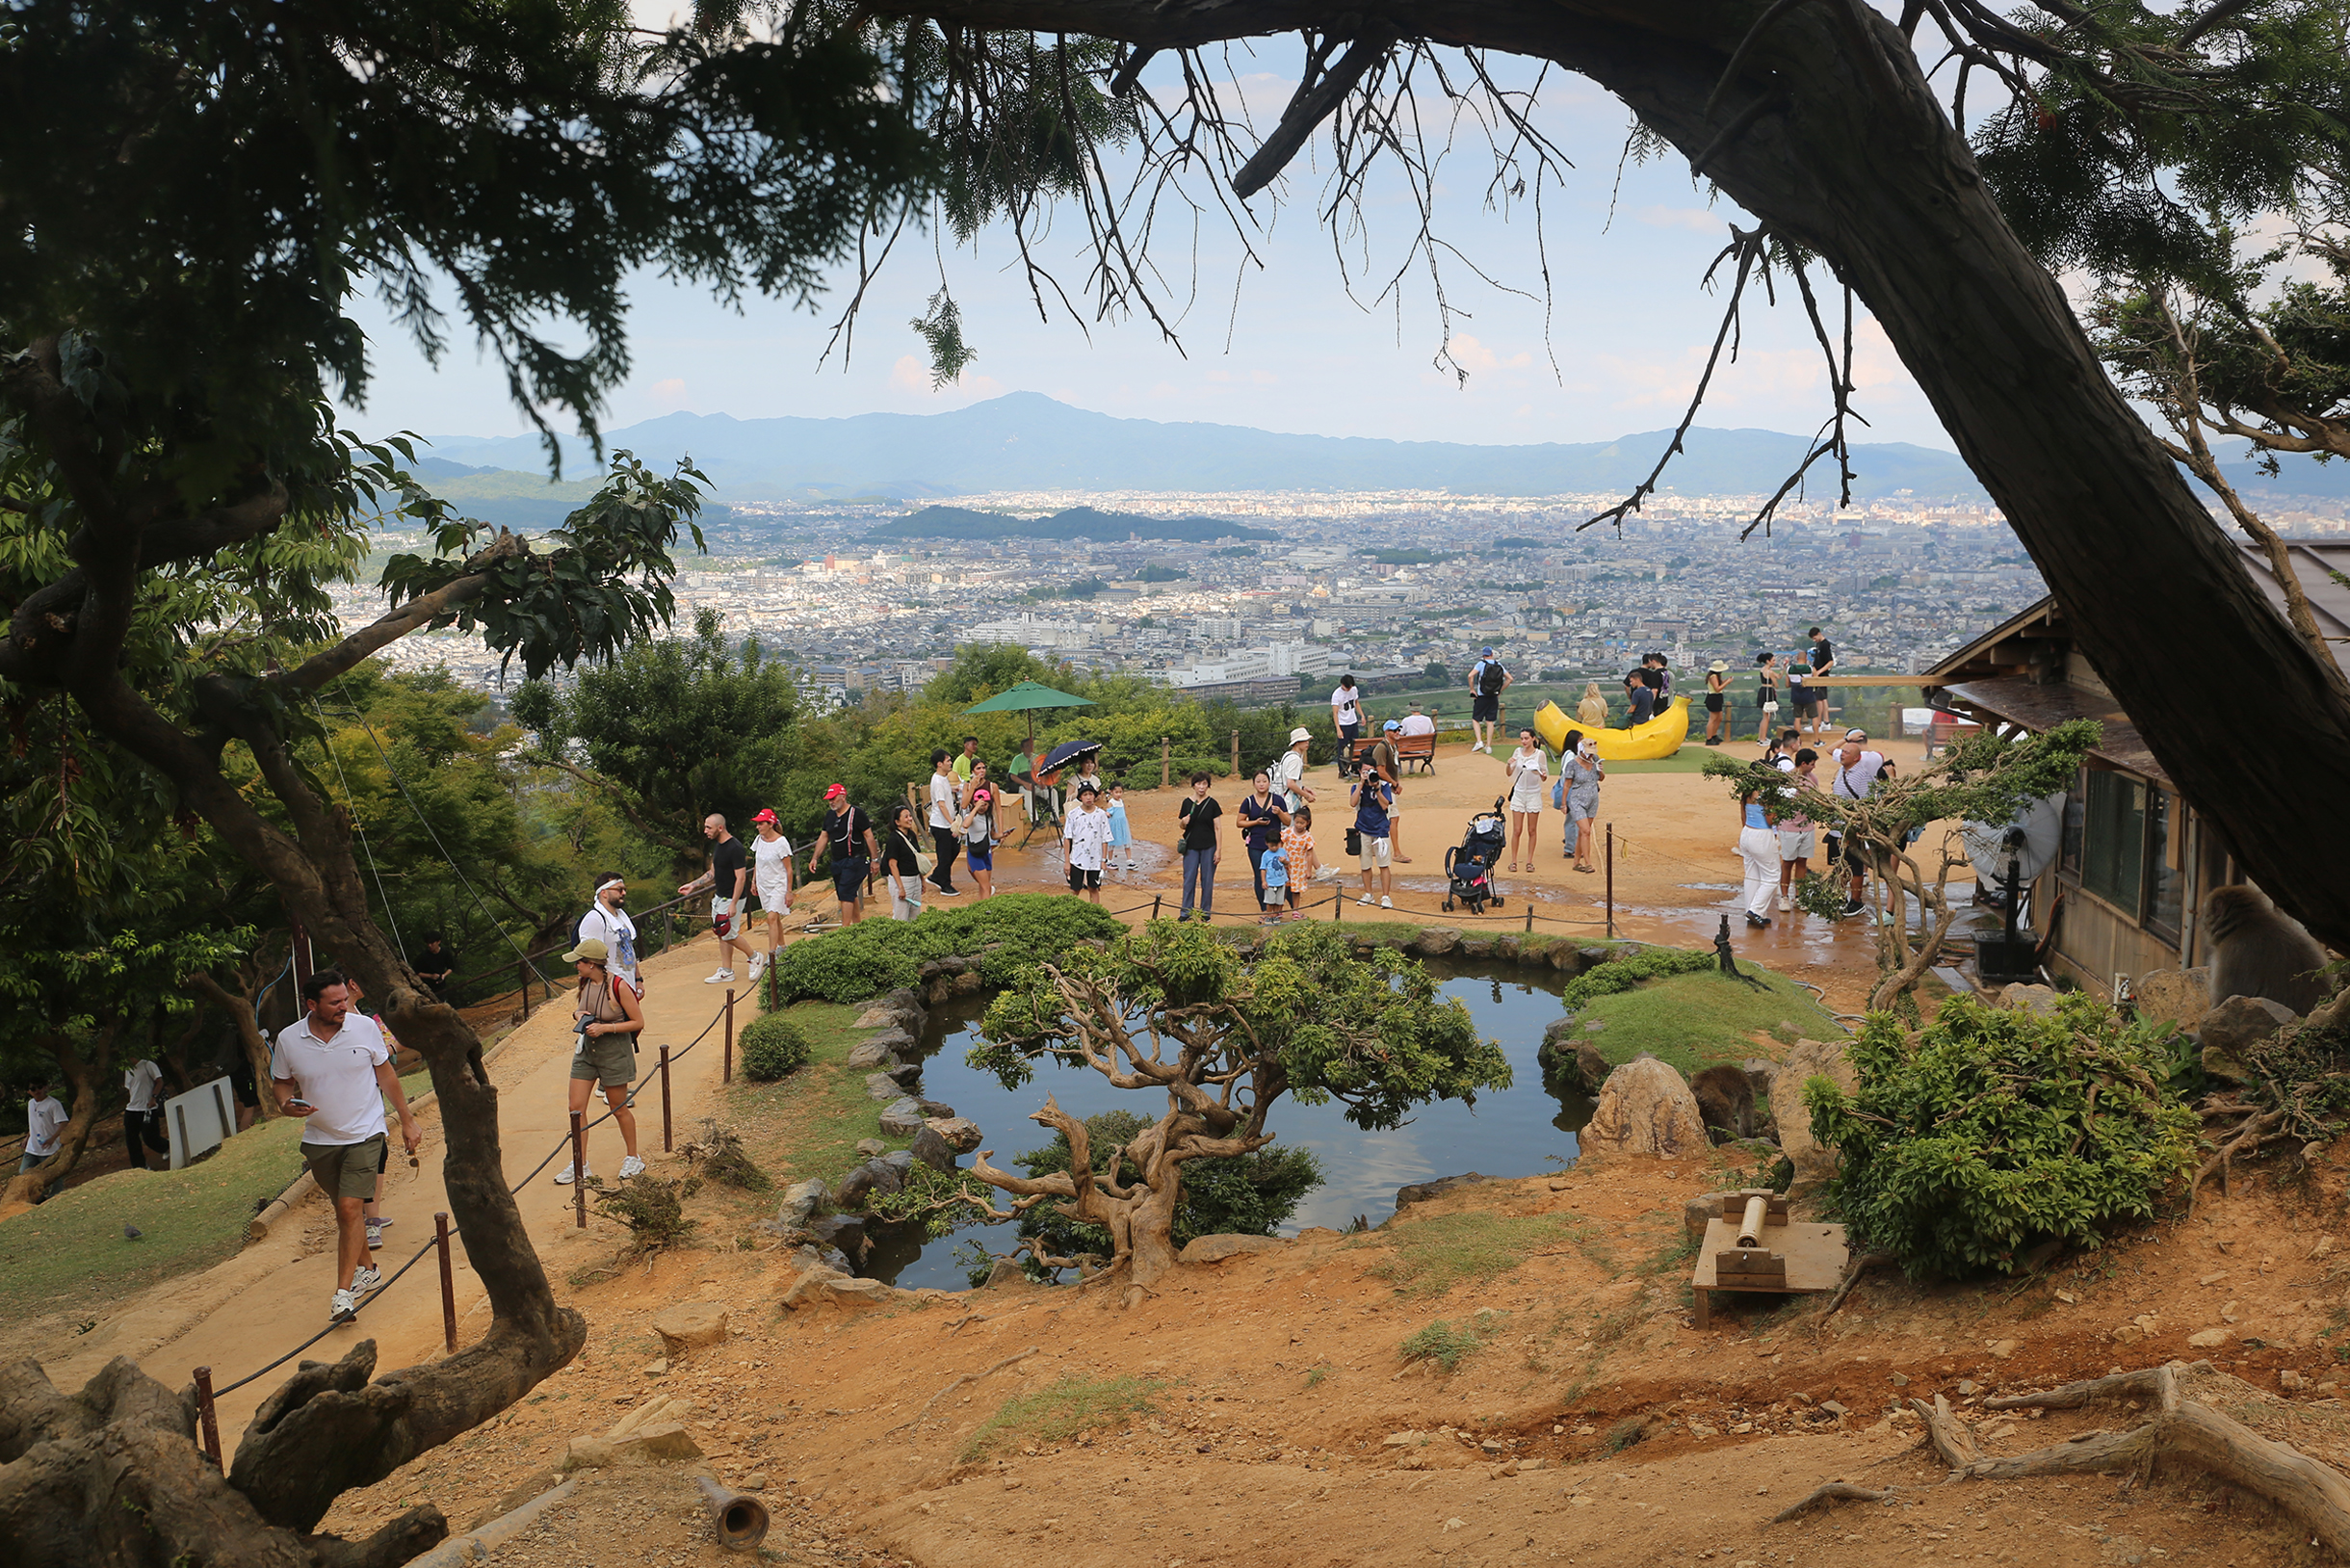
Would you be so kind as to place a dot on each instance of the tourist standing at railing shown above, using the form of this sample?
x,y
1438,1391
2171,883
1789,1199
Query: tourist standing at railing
x,y
1526,768
435,965
606,922
978,827
1121,831
605,1021
728,880
334,1067
770,857
1717,688
945,841
1823,661
1289,768
1767,695
1592,712
1347,718
1086,843
1759,849
1259,817
1578,795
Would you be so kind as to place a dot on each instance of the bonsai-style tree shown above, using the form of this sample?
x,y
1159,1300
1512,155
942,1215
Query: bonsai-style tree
x,y
1223,1036
1985,777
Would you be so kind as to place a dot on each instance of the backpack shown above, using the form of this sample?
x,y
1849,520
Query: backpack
x,y
1478,673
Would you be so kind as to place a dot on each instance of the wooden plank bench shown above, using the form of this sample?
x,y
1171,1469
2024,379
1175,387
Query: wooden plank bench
x,y
1410,750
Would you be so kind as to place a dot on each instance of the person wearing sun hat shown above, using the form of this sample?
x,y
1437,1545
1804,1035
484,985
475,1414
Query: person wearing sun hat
x,y
849,834
1717,686
771,854
1288,770
606,1023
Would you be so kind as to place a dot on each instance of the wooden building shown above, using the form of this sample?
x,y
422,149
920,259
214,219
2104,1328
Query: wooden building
x,y
2121,899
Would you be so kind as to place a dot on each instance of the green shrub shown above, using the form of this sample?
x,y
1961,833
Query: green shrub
x,y
1626,972
1248,1195
1999,1130
1004,934
1443,1343
771,1046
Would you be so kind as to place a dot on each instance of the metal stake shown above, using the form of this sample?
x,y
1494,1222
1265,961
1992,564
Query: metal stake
x,y
579,1162
665,1099
727,1076
1612,879
440,1240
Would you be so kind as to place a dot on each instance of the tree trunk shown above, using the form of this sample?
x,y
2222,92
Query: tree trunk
x,y
81,1082
242,1009
1854,159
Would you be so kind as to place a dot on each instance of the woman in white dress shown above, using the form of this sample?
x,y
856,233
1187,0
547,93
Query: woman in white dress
x,y
1527,767
771,854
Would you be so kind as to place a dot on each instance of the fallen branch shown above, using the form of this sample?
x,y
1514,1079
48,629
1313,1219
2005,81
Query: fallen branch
x,y
1826,1492
2155,1383
1948,1433
1852,1276
983,1374
2268,1127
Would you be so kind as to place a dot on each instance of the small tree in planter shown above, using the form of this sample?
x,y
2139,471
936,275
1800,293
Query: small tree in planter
x,y
1223,1036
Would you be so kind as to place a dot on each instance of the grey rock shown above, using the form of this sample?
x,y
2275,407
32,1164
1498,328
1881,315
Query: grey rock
x,y
867,1054
1005,1272
932,1150
901,1118
961,1134
1645,1107
897,1040
1593,958
846,1232
872,1148
2238,1024
1506,946
933,969
1216,1249
821,1258
1475,946
899,1161
802,1202
935,1109
1590,1065
2039,999
875,1177
907,1075
882,1087
1807,1059
1435,941
903,1001
1421,1192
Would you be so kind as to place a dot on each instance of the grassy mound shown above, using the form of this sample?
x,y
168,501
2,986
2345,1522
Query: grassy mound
x,y
1696,1020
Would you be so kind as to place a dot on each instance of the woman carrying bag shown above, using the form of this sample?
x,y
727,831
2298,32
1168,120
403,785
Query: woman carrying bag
x,y
905,862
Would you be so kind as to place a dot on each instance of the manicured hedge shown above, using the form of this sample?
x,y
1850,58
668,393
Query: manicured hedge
x,y
1002,934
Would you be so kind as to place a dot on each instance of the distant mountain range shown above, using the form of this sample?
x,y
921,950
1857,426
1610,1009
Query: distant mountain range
x,y
1025,441
1076,523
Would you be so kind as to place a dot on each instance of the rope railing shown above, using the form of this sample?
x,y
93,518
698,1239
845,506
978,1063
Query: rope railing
x,y
440,1243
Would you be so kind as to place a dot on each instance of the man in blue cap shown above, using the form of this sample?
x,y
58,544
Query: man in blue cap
x,y
1487,680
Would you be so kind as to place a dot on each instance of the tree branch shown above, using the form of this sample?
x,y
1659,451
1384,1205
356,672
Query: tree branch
x,y
318,670
1312,104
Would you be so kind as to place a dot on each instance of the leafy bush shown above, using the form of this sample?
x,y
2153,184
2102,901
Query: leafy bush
x,y
939,1200
1443,1343
1626,972
717,1153
1249,1194
771,1046
1004,933
1999,1130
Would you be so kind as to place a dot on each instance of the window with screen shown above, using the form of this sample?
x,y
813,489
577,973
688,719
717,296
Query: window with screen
x,y
2113,839
2166,862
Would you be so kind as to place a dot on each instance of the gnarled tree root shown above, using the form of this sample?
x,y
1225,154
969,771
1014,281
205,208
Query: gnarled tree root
x,y
1824,1494
2259,1128
2182,1431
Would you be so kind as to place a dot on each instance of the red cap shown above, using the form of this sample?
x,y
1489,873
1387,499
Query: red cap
x,y
837,792
766,815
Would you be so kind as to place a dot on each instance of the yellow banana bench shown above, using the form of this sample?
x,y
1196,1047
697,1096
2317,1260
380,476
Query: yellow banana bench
x,y
1660,736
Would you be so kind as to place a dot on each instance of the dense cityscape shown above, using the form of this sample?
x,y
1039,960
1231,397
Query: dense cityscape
x,y
1372,582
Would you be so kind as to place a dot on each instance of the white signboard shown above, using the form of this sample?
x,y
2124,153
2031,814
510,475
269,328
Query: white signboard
x,y
201,1120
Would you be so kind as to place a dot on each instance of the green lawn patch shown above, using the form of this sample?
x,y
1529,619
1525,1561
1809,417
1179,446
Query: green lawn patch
x,y
1689,759
1429,1256
1066,1408
808,1122
70,1254
1693,1021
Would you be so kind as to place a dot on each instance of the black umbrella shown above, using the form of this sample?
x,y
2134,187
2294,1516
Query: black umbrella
x,y
1067,752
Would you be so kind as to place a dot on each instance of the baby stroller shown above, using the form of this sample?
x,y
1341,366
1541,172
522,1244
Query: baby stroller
x,y
1470,867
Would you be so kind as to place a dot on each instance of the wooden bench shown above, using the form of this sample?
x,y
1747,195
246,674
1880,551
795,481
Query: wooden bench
x,y
1410,749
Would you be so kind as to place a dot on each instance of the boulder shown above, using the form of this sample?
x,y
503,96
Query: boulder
x,y
1005,1272
1474,947
1646,1107
1590,1065
939,990
691,1325
903,1002
934,1111
1435,941
2233,1028
900,1161
1805,1061
659,1440
2173,996
858,1293
2039,999
1507,947
896,1041
901,1118
1216,1249
882,1087
1759,1072
932,1149
907,1075
1593,958
807,1288
966,983
961,1133
872,1148
1421,1192
846,1232
877,1015
801,1203
1557,1052
867,1054
871,1179
589,1453
808,1255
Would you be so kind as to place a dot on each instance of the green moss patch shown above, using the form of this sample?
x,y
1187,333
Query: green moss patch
x,y
1064,1409
1697,1019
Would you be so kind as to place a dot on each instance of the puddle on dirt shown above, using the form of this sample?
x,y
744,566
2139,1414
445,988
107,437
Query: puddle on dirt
x,y
1514,1133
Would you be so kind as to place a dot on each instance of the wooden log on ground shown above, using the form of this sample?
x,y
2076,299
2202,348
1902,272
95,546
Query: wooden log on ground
x,y
1824,1494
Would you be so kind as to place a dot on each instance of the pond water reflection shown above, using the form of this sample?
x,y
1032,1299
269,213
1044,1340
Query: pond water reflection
x,y
1514,1133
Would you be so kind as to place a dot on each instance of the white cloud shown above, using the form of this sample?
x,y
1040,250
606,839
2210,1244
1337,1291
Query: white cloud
x,y
1473,355
670,394
912,375
1699,218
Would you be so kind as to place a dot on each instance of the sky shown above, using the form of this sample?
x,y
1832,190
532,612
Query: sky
x,y
1284,345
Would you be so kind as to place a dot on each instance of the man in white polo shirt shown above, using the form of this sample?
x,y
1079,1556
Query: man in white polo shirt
x,y
44,1118
331,1066
141,1116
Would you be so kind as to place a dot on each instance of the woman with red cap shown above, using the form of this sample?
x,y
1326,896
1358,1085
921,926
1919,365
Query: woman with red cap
x,y
771,854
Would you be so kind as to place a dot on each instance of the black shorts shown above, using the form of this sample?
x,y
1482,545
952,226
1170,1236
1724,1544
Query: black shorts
x,y
1806,699
1714,702
1082,880
849,878
1485,710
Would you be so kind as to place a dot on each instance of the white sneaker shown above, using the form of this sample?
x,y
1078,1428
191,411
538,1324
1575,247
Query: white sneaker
x,y
758,963
1387,903
1785,904
630,1166
1364,900
365,1278
724,977
563,1177
343,1309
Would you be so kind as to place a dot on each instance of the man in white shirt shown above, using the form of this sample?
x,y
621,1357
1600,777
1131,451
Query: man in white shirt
x,y
332,1066
945,841
1416,722
44,1118
1289,768
1346,714
141,1116
606,922
1085,839
1857,772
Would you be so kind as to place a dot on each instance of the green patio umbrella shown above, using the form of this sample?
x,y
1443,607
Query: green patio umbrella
x,y
1026,698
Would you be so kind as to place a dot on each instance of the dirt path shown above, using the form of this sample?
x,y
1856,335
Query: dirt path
x,y
257,1306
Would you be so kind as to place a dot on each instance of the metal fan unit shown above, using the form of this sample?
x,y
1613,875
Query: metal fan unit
x,y
2011,856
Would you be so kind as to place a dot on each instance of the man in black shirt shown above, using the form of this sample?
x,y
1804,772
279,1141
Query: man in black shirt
x,y
1640,695
847,833
727,878
435,965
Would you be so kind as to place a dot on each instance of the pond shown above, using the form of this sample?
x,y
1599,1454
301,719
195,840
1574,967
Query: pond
x,y
1514,1133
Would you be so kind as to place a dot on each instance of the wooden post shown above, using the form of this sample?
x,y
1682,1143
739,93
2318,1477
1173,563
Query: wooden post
x,y
448,1272
208,1421
1166,752
1612,879
1529,914
1235,753
665,1099
579,1160
526,990
1155,902
726,1075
